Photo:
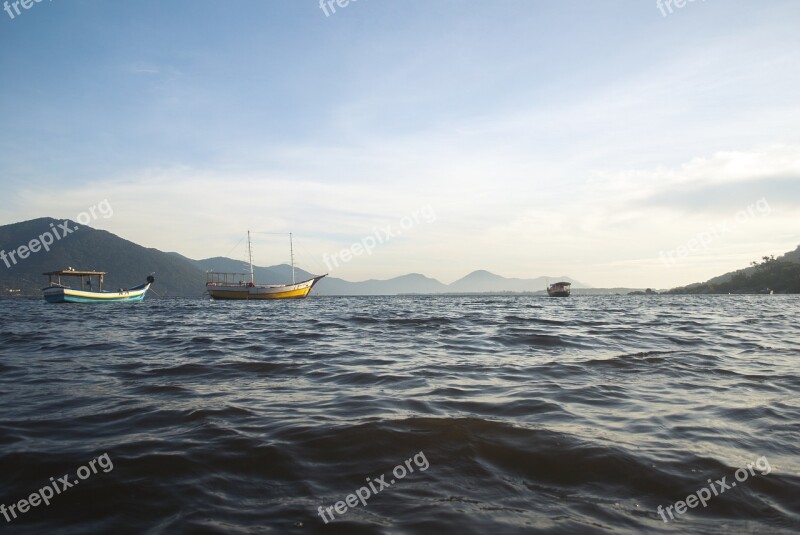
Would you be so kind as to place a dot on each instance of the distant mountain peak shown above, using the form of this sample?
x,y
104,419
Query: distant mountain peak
x,y
482,273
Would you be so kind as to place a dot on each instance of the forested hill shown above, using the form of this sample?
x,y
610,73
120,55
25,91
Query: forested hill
x,y
777,275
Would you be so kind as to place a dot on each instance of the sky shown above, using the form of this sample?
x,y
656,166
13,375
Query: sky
x,y
618,143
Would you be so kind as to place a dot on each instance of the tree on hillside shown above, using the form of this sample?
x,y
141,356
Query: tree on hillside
x,y
776,275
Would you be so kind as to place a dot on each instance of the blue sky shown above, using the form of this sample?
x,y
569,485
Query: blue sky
x,y
550,138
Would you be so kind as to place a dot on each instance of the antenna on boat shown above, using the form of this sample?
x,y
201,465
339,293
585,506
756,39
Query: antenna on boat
x,y
250,257
291,253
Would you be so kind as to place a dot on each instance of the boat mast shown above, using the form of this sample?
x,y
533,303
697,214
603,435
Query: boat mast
x,y
250,257
291,253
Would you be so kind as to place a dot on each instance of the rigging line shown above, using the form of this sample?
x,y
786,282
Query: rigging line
x,y
314,260
272,234
275,234
227,255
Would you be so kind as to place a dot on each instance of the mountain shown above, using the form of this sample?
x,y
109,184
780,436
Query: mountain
x,y
405,284
483,281
791,256
778,275
128,264
282,274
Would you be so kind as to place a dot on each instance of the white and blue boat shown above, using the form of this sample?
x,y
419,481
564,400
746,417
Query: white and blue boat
x,y
89,291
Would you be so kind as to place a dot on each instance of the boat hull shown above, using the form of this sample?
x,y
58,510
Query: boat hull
x,y
67,295
558,293
240,292
243,292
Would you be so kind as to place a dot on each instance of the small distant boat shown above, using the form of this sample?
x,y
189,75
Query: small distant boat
x,y
559,289
89,292
232,286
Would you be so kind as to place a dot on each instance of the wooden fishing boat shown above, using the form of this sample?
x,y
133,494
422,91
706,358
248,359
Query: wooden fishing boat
x,y
233,286
90,291
220,288
559,289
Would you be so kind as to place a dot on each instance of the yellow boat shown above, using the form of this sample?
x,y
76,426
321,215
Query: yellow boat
x,y
233,286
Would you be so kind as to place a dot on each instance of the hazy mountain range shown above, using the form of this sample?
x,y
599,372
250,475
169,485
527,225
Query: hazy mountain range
x,y
128,264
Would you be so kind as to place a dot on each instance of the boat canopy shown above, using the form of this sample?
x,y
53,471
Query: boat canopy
x,y
69,272
74,273
215,278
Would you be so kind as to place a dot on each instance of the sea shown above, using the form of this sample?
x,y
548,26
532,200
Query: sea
x,y
401,415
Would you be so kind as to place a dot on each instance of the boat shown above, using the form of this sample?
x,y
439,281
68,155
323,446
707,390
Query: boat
x,y
234,286
559,289
89,291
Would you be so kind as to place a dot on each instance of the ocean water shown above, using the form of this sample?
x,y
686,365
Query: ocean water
x,y
503,414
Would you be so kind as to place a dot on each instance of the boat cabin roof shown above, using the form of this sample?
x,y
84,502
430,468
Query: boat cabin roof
x,y
74,273
219,277
561,284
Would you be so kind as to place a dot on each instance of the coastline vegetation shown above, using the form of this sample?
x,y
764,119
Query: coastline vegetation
x,y
771,275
